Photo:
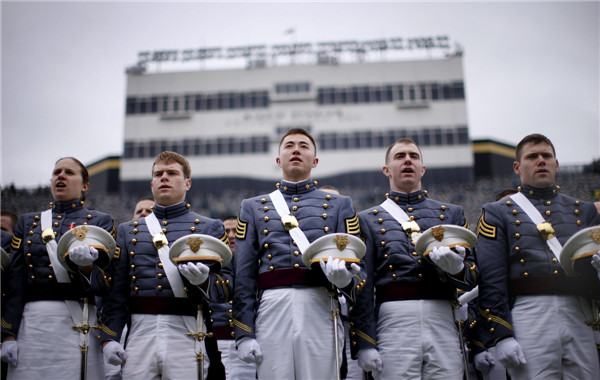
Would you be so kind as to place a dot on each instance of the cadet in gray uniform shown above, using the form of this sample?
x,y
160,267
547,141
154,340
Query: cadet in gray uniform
x,y
158,345
533,313
402,325
37,323
288,328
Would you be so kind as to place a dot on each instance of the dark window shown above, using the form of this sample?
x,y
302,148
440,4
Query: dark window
x,y
140,150
437,136
446,92
130,106
143,105
463,135
400,93
412,94
435,91
423,88
450,137
458,90
154,104
128,150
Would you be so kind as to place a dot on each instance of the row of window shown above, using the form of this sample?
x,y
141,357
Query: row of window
x,y
325,141
196,102
391,93
327,95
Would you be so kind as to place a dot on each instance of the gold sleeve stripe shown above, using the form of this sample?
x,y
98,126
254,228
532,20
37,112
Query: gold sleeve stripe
x,y
117,252
352,225
113,232
225,239
495,319
466,225
478,343
365,337
16,242
108,331
473,272
5,324
485,229
240,229
242,326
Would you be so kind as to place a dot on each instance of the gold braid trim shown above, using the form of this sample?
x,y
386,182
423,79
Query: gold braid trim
x,y
485,229
240,229
108,331
242,326
365,337
16,242
495,319
353,225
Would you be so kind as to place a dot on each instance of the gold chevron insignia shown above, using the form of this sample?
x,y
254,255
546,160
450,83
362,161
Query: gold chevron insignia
x,y
485,229
352,225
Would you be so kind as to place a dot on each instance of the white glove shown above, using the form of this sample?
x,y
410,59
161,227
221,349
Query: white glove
x,y
369,360
196,273
596,262
509,352
83,255
463,313
448,260
249,350
113,353
10,352
337,273
484,362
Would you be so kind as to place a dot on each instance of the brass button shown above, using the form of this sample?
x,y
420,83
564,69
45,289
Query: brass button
x,y
59,217
328,197
55,224
522,261
192,228
420,275
326,229
294,208
296,253
383,230
263,200
517,235
554,260
548,203
410,209
160,275
517,222
391,267
325,205
394,275
296,266
383,244
265,232
160,265
266,245
380,220
271,268
525,274
131,253
266,208
135,289
548,212
414,253
324,216
295,199
514,212
266,218
159,287
165,222
269,256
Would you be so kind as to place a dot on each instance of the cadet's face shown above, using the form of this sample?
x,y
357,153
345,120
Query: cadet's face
x,y
169,185
230,226
143,208
67,181
538,166
296,158
404,168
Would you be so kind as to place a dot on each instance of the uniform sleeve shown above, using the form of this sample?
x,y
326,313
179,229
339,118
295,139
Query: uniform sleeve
x,y
114,311
16,281
470,277
221,282
246,272
362,316
492,257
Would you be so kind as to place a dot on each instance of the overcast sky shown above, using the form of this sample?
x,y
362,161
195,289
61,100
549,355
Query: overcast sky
x,y
529,66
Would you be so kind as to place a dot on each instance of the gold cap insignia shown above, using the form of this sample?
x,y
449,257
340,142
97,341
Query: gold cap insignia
x,y
79,232
546,230
47,235
195,243
160,240
289,222
438,232
341,241
595,235
411,228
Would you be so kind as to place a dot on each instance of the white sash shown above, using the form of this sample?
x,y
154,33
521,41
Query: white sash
x,y
163,254
397,213
537,218
62,276
282,209
172,274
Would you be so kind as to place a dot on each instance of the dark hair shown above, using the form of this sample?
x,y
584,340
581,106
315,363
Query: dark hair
x,y
403,140
298,131
505,193
13,217
169,157
230,217
85,175
535,138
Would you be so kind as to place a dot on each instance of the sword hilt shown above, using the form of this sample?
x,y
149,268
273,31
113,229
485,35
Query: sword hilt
x,y
200,335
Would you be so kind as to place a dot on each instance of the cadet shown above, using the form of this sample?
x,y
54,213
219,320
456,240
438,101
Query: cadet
x,y
37,325
287,330
147,289
531,309
402,324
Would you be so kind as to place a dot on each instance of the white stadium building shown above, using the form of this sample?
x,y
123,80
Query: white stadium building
x,y
228,121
